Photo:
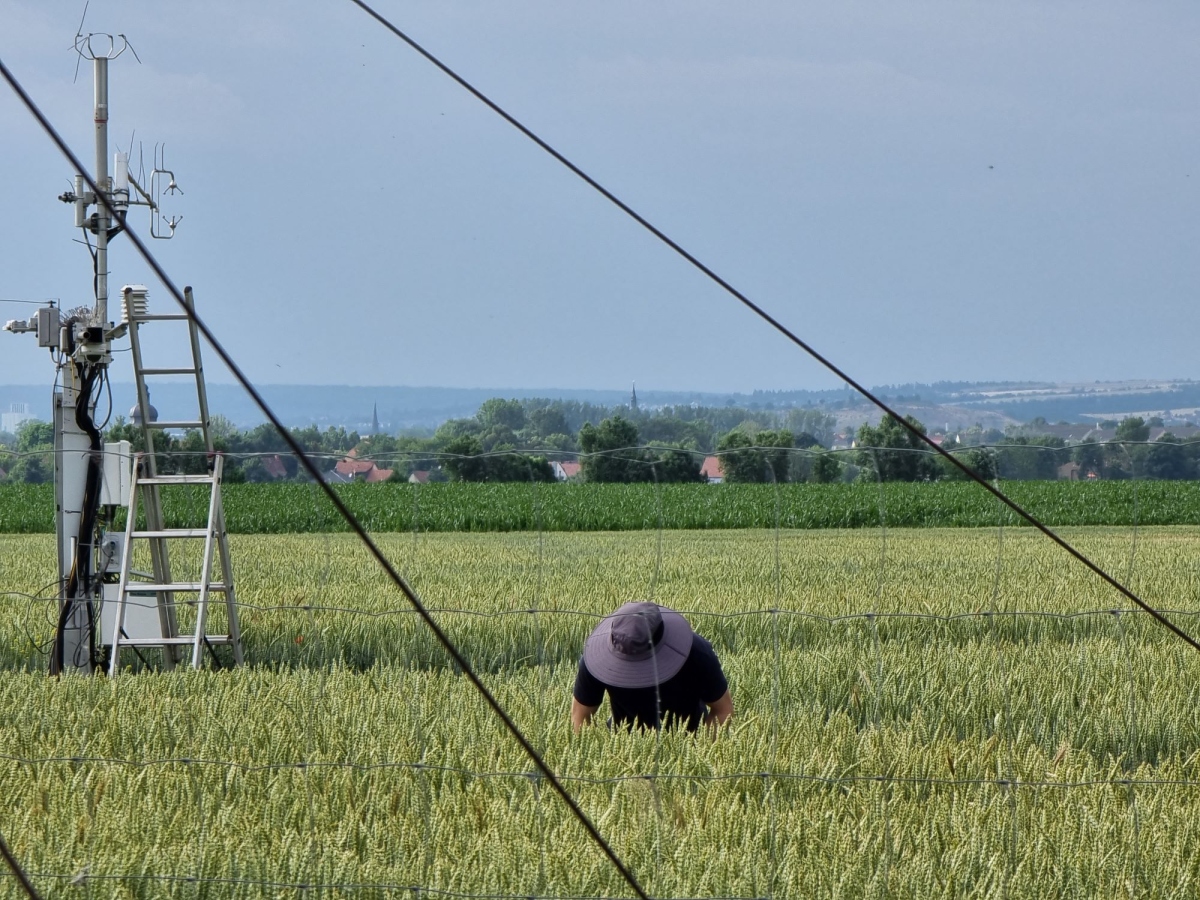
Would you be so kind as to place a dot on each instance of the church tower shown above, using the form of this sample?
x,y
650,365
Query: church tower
x,y
633,407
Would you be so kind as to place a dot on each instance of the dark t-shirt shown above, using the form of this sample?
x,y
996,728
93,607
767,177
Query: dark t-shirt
x,y
683,697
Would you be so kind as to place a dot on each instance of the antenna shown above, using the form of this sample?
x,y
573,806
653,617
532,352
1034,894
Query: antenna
x,y
162,226
78,35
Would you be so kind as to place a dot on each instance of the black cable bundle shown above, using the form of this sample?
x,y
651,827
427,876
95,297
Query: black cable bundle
x,y
79,583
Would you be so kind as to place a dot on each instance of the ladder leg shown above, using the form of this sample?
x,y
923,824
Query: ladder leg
x,y
235,629
201,389
206,570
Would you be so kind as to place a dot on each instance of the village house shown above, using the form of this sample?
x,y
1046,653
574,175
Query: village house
x,y
712,470
351,468
565,471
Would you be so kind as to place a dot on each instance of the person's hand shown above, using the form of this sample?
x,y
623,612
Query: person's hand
x,y
581,715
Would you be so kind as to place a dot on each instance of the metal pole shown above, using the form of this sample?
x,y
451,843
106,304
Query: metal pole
x,y
104,183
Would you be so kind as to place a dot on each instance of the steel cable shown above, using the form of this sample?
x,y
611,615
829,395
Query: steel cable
x,y
759,311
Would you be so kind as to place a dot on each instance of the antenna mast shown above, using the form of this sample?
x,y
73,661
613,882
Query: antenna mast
x,y
92,479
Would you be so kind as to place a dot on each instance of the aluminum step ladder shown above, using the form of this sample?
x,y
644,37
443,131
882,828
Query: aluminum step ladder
x,y
145,492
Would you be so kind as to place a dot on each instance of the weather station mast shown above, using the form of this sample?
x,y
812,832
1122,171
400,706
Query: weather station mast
x,y
105,605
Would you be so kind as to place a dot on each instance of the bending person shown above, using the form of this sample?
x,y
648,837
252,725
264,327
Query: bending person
x,y
655,670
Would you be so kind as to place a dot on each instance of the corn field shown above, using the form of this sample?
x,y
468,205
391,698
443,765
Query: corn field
x,y
919,713
294,508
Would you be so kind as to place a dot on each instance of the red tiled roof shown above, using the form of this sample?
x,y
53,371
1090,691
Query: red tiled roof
x,y
274,466
712,467
420,477
570,469
351,467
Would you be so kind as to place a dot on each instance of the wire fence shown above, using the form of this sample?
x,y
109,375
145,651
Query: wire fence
x,y
853,453
1144,771
532,775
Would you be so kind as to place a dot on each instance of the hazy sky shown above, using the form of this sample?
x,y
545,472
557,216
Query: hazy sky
x,y
923,190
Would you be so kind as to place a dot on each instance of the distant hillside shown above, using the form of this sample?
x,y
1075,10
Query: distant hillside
x,y
956,403
399,407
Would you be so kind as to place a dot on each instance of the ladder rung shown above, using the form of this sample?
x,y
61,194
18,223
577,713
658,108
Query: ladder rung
x,y
192,587
175,479
173,533
162,426
159,317
169,371
179,640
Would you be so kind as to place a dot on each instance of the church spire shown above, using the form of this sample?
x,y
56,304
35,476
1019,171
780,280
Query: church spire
x,y
375,419
633,398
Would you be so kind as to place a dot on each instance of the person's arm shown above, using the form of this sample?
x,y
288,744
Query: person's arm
x,y
720,711
581,715
586,689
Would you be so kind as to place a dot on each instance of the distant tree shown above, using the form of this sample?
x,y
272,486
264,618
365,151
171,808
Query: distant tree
x,y
255,471
220,427
739,461
35,468
498,413
826,469
981,462
453,428
563,443
1167,459
893,453
676,466
1089,456
776,454
815,422
34,435
1030,458
513,466
498,438
464,460
611,453
546,421
991,436
674,431
191,455
1133,429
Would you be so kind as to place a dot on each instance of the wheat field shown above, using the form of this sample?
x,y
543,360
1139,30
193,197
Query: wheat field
x,y
919,713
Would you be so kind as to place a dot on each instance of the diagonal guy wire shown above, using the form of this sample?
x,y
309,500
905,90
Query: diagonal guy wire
x,y
18,872
340,506
776,324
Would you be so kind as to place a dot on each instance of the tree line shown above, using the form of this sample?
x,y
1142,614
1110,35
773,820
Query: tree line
x,y
893,453
516,440
506,440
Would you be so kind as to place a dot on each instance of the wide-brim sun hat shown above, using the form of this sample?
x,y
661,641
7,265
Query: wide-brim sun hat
x,y
640,645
